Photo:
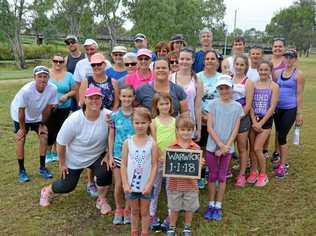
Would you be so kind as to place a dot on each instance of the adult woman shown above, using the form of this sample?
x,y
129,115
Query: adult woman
x,y
108,86
145,93
289,107
142,74
173,61
192,86
81,144
118,70
130,62
162,49
277,59
242,93
65,90
177,42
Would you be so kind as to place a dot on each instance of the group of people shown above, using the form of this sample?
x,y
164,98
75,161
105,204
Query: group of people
x,y
123,117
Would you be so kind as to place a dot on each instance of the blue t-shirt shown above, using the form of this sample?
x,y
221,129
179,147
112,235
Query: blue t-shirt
x,y
64,86
115,74
198,64
123,129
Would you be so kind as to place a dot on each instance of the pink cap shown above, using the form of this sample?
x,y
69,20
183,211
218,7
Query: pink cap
x,y
144,52
93,91
97,58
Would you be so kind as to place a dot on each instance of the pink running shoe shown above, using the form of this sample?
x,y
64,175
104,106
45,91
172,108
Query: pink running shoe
x,y
44,200
240,181
103,206
262,180
281,172
252,178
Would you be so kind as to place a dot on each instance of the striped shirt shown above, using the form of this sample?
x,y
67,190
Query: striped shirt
x,y
183,184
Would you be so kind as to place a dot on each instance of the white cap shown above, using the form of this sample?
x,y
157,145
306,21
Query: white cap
x,y
89,42
225,80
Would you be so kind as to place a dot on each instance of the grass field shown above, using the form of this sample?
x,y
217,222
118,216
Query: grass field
x,y
284,207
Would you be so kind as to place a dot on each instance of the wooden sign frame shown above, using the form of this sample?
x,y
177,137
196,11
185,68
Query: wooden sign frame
x,y
199,152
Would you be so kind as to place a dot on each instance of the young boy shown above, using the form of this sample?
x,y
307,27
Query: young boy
x,y
183,194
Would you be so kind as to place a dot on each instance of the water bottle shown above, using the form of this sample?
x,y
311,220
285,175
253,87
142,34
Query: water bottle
x,y
296,135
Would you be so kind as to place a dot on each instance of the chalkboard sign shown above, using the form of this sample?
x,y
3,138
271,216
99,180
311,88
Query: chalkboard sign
x,y
182,163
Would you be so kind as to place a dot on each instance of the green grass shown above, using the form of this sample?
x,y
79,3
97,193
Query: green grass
x,y
284,207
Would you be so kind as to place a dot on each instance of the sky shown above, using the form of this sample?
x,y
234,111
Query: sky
x,y
252,13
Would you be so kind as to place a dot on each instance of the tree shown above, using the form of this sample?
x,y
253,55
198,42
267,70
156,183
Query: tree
x,y
295,24
12,21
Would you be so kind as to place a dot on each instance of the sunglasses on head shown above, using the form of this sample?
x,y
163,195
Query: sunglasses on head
x,y
70,42
130,64
97,64
58,61
279,39
175,62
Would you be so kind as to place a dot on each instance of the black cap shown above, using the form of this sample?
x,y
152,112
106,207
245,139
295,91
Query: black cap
x,y
177,37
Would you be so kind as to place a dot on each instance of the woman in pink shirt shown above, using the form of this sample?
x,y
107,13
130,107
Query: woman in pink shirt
x,y
142,74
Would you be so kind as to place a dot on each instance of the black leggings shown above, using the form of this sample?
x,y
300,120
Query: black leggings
x,y
284,120
104,178
54,123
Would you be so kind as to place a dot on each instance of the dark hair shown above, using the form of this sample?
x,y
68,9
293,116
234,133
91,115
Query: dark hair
x,y
267,63
161,59
129,87
84,107
279,39
245,60
160,45
156,98
239,39
188,49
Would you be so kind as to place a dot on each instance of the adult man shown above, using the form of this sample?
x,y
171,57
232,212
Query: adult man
x,y
140,41
30,110
74,55
206,41
255,56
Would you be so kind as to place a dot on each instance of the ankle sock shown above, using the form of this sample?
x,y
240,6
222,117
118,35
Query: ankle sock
x,y
211,204
218,205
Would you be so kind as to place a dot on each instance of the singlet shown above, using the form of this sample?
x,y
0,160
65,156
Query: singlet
x,y
107,90
239,91
72,62
276,70
165,134
139,164
288,90
190,91
261,101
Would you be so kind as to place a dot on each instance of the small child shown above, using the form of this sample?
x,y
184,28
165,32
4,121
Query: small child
x,y
223,121
163,129
138,170
120,130
183,193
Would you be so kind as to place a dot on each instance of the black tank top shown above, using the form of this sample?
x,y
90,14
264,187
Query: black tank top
x,y
72,62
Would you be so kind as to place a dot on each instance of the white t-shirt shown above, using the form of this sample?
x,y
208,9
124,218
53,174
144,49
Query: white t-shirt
x,y
33,101
85,140
253,74
83,69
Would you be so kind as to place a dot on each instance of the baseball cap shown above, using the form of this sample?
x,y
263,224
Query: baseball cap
x,y
291,53
71,37
225,80
139,36
177,37
119,49
144,52
40,69
89,42
97,58
93,91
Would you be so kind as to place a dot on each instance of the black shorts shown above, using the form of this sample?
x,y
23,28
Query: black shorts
x,y
28,126
245,124
268,124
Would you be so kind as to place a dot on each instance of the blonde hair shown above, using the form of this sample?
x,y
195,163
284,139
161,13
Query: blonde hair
x,y
157,97
185,121
143,113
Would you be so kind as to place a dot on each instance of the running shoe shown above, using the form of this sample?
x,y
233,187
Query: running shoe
x,y
208,214
171,232
187,232
127,217
229,174
201,183
45,173
240,181
154,224
165,224
44,199
23,177
217,214
275,160
103,206
236,167
252,178
118,218
281,172
48,157
266,154
262,180
92,190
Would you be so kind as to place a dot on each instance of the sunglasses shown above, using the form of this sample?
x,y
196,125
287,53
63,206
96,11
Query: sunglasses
x,y
96,64
70,42
173,62
279,39
144,58
118,54
130,64
58,61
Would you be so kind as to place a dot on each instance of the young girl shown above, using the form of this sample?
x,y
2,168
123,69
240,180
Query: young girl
x,y
265,98
163,129
120,130
223,121
138,169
